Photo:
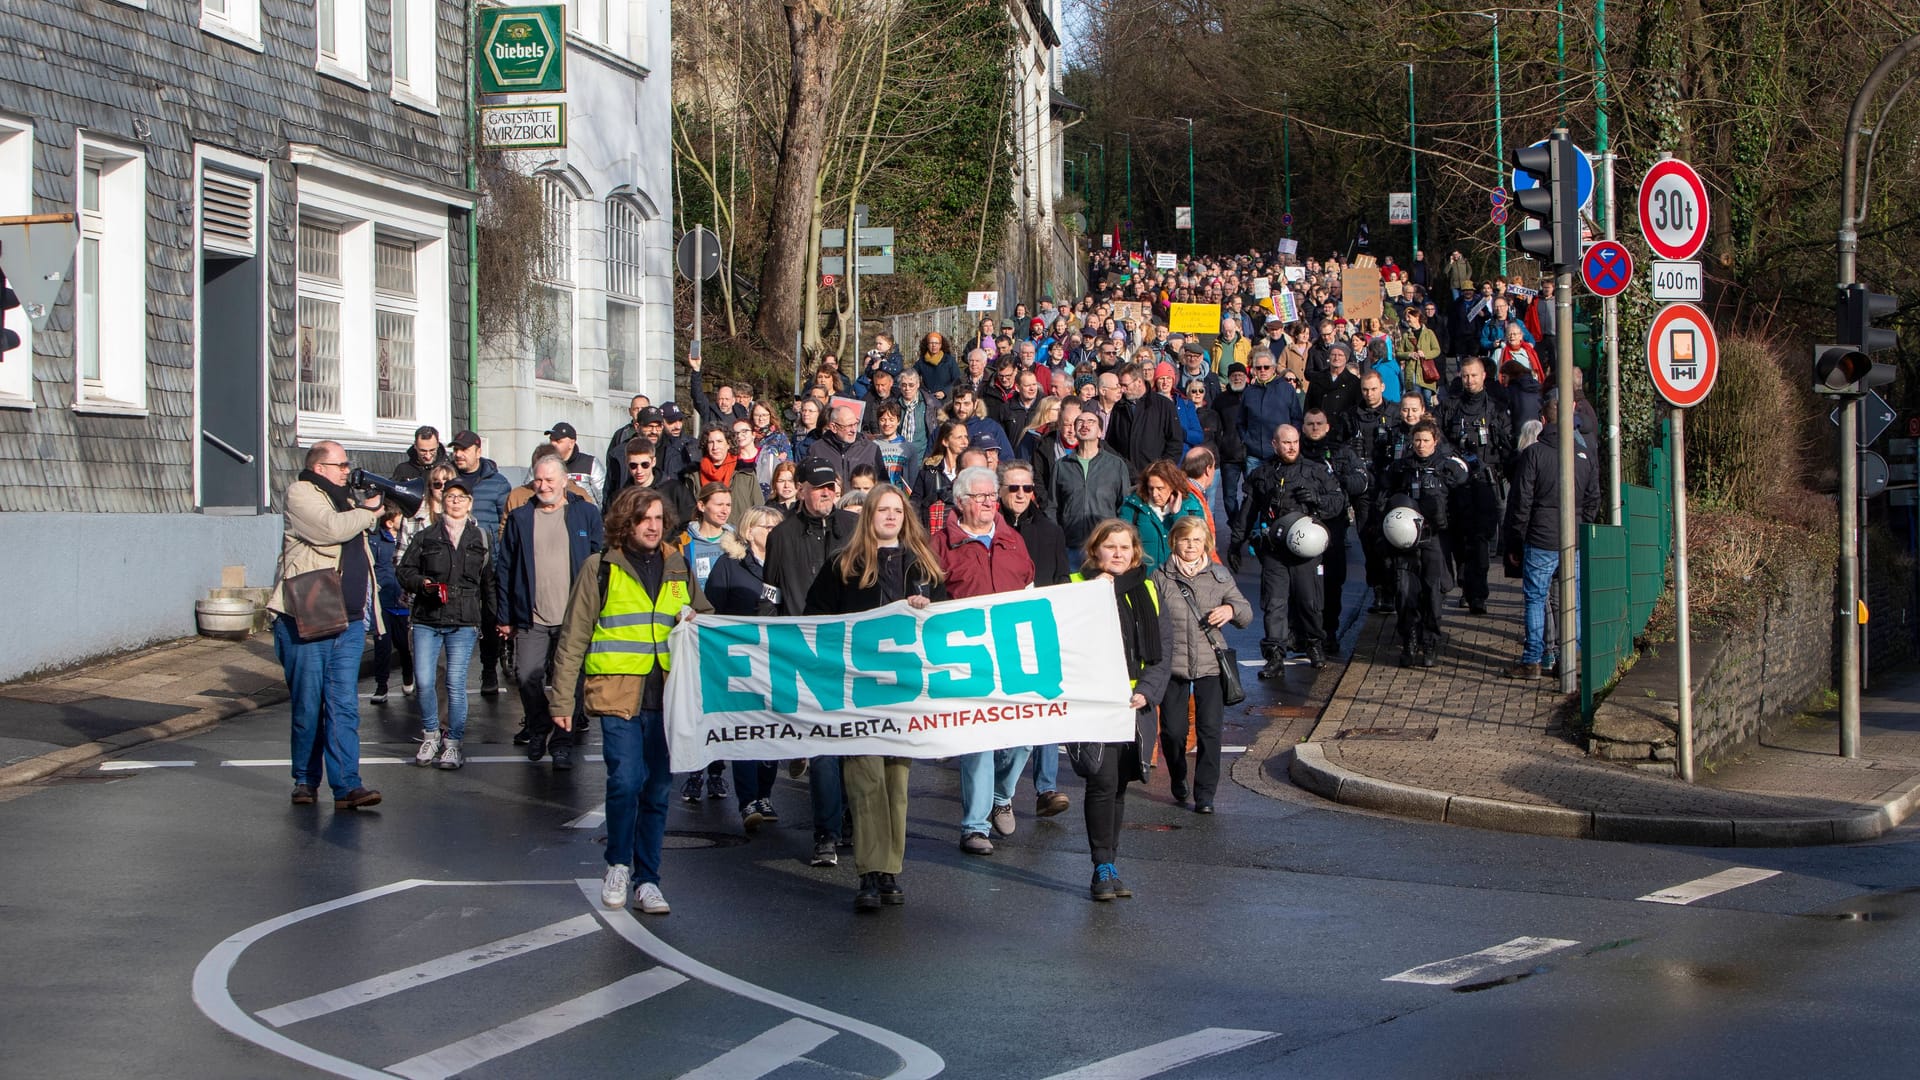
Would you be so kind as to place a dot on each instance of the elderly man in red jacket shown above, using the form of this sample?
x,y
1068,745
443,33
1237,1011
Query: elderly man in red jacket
x,y
983,554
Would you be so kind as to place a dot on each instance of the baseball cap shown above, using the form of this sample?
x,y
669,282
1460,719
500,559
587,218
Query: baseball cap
x,y
986,440
671,412
563,430
1271,319
465,440
651,415
816,472
462,482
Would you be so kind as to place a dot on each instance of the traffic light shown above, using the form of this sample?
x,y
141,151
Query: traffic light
x,y
1554,199
1847,368
8,301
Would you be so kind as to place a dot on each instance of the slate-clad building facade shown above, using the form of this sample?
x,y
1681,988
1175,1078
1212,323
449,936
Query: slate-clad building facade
x,y
272,220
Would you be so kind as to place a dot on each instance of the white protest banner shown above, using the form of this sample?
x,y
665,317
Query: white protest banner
x,y
1012,669
1296,273
1262,288
983,301
1287,247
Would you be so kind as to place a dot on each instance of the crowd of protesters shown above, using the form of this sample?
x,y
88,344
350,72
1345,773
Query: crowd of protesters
x,y
1082,440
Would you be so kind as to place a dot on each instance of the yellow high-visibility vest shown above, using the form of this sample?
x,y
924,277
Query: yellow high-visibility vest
x,y
631,634
1152,590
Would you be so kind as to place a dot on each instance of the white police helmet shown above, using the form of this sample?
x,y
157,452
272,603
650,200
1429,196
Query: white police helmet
x,y
1403,526
1306,538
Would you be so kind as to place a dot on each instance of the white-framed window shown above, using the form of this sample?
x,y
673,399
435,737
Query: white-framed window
x,y
626,276
235,20
602,22
110,277
415,62
553,330
340,38
375,316
395,300
16,197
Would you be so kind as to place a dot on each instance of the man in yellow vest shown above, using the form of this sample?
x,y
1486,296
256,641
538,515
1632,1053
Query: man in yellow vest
x,y
625,600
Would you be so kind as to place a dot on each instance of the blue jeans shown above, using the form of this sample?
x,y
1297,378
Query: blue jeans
x,y
323,679
829,793
1231,477
987,780
458,641
638,776
1538,565
1046,768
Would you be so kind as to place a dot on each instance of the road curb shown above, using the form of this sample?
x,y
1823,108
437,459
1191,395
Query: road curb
x,y
44,765
1310,769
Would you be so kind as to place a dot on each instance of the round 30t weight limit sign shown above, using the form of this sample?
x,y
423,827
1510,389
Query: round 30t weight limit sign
x,y
1683,354
1673,210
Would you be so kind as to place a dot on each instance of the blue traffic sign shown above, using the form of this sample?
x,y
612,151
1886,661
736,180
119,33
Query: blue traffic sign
x,y
1286,219
1522,181
1607,268
1497,196
1499,214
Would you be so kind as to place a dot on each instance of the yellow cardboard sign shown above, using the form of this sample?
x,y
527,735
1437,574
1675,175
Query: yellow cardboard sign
x,y
1194,319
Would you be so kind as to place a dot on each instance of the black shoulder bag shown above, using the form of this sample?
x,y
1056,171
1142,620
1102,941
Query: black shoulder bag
x,y
1231,690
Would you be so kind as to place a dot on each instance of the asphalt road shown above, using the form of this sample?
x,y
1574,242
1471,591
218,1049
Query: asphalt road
x,y
184,920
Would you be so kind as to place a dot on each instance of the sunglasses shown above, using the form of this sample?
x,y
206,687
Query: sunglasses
x,y
438,486
1020,487
632,465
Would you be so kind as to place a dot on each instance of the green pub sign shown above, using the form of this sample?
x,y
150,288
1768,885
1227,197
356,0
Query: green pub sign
x,y
522,50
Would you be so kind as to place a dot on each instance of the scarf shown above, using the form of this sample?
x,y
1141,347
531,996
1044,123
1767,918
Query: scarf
x,y
721,473
1139,620
1188,569
342,498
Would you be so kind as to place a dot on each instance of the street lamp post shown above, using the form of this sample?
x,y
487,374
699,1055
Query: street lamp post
x,y
1286,163
1413,158
1126,223
1499,127
1193,212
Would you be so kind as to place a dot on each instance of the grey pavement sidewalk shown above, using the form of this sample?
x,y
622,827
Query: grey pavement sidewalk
x,y
1462,743
56,721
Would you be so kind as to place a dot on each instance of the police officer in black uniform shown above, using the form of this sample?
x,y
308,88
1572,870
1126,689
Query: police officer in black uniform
x,y
1372,423
1426,479
1481,436
1290,585
1318,443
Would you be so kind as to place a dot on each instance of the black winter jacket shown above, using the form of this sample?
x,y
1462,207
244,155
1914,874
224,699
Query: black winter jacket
x,y
1533,503
467,571
1046,545
796,550
832,594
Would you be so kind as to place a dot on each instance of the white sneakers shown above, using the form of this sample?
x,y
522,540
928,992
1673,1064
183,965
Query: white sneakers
x,y
450,755
429,749
613,890
648,899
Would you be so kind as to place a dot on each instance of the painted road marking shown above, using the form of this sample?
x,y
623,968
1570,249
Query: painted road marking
x,y
129,766
592,819
917,1062
490,759
765,1052
1711,885
455,1058
1166,1056
393,982
1233,749
214,997
1461,968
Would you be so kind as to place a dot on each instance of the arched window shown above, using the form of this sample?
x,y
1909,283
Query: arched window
x,y
553,337
626,273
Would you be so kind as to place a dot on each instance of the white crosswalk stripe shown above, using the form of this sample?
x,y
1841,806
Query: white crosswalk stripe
x,y
764,1053
1166,1056
1711,885
452,964
1461,968
455,1058
592,819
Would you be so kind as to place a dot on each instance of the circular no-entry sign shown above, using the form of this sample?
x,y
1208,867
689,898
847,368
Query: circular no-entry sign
x,y
1673,210
1607,268
1683,355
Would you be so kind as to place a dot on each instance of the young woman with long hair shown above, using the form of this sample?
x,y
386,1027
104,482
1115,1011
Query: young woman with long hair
x,y
888,559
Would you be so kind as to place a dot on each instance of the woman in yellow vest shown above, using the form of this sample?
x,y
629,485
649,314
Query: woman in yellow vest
x,y
1113,554
624,602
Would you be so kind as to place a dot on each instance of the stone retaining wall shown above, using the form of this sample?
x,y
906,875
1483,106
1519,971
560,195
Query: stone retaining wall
x,y
1742,679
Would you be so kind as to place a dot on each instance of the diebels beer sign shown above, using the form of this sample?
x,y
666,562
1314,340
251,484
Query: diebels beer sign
x,y
522,50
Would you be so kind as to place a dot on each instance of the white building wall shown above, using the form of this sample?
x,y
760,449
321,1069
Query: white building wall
x,y
619,112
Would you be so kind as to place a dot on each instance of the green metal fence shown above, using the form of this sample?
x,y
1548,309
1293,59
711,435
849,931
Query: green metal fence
x,y
1623,569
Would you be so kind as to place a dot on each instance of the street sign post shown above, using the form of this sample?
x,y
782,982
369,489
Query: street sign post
x,y
1876,416
1683,356
1607,268
1286,219
1522,181
1400,208
36,254
522,49
1183,217
1677,281
698,257
1498,215
1874,474
1673,209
